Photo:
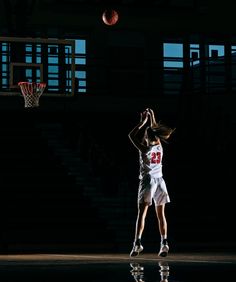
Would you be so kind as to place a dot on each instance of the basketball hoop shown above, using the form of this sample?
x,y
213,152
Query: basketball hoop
x,y
31,92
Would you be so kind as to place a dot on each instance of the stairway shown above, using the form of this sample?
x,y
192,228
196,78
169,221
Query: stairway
x,y
118,209
45,209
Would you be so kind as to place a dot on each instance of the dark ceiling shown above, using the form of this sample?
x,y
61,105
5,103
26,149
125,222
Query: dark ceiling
x,y
24,17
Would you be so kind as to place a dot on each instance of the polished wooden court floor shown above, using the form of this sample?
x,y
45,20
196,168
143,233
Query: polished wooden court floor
x,y
118,267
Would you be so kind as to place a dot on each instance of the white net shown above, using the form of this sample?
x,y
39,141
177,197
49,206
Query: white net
x,y
31,92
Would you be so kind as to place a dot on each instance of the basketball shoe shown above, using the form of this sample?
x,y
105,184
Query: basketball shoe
x,y
164,249
137,248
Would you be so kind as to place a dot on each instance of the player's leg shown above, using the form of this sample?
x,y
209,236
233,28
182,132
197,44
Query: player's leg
x,y
161,197
162,224
145,194
140,224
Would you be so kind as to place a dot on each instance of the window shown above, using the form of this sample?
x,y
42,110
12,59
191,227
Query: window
x,y
215,51
194,54
173,55
80,64
173,66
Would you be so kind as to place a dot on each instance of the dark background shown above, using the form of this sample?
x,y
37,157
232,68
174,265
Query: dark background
x,y
69,175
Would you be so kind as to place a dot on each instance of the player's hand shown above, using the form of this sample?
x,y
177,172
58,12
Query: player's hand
x,y
144,116
151,111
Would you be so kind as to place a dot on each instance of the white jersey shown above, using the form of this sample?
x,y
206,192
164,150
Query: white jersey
x,y
151,162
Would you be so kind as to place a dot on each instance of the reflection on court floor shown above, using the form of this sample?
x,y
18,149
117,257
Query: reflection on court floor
x,y
137,271
118,267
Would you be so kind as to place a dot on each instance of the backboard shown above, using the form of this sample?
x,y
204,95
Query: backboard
x,y
38,60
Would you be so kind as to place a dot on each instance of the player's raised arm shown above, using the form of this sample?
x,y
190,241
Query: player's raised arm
x,y
133,134
153,121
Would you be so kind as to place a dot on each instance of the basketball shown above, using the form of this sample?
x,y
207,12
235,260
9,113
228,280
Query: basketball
x,y
110,17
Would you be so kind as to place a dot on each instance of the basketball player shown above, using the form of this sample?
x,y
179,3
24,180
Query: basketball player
x,y
152,186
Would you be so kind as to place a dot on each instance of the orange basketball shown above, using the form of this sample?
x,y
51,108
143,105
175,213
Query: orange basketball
x,y
110,17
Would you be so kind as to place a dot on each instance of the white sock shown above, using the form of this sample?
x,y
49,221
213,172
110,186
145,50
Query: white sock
x,y
163,237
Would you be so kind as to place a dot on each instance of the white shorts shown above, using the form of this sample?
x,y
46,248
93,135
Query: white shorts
x,y
153,189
